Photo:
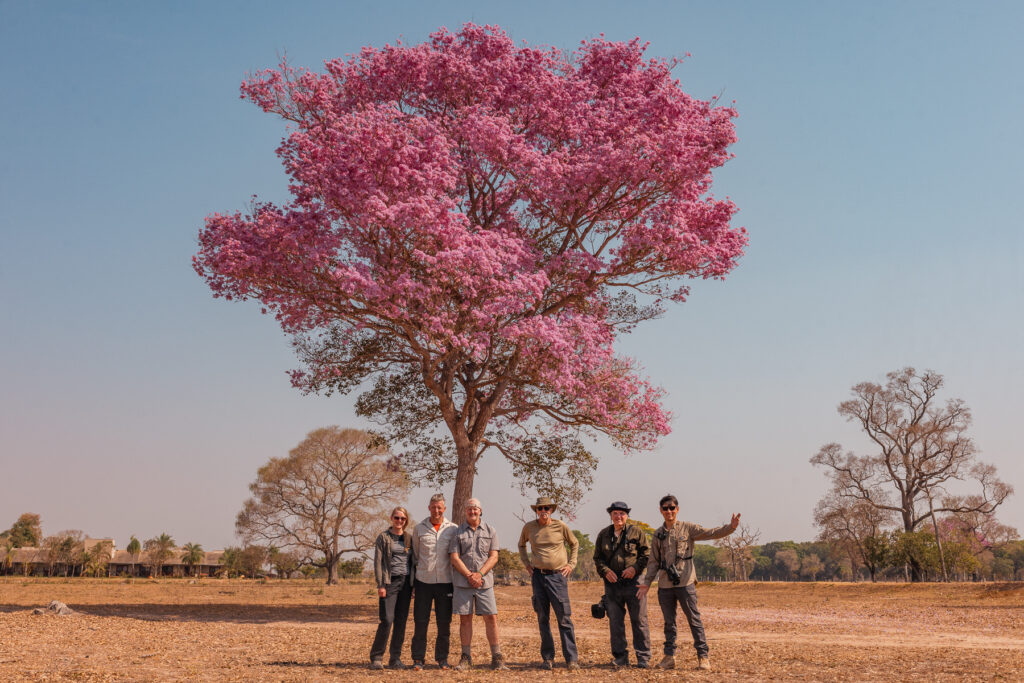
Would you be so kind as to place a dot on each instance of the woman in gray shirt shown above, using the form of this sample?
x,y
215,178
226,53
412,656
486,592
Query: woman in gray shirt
x,y
393,567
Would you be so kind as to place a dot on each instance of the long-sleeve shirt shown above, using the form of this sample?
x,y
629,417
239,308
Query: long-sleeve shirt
x,y
675,546
548,545
629,550
430,545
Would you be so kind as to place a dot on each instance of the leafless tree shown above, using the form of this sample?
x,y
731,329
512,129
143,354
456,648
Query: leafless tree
x,y
857,527
788,561
327,498
738,547
922,448
63,550
811,566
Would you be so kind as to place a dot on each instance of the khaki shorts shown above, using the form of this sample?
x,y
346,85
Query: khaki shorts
x,y
465,599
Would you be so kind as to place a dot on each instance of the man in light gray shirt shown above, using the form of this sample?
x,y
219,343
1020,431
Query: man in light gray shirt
x,y
474,552
430,541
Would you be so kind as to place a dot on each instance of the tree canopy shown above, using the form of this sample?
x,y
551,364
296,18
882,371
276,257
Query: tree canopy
x,y
472,225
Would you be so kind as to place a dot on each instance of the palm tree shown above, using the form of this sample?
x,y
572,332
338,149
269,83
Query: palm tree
x,y
134,549
7,553
159,550
193,555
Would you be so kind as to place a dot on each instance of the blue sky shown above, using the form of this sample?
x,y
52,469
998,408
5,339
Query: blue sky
x,y
879,173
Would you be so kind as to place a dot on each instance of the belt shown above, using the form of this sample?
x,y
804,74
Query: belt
x,y
547,572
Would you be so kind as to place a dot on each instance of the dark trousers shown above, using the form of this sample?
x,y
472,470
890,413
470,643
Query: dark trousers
x,y
440,595
620,597
685,596
552,591
393,612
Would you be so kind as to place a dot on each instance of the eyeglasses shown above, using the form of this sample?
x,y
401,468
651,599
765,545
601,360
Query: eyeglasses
x,y
544,508
397,518
668,508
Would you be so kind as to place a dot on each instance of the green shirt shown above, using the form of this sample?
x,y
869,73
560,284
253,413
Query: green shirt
x,y
548,545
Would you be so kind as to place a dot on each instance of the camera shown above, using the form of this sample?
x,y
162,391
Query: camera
x,y
599,610
673,574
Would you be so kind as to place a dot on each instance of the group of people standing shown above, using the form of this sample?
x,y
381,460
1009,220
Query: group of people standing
x,y
449,569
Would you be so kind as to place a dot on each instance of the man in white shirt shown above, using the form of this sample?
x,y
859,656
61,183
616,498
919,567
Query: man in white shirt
x,y
430,541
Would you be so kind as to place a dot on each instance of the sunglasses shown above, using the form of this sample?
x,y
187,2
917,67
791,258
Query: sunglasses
x,y
397,518
668,508
544,508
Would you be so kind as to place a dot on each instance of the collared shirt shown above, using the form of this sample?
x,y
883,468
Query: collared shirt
x,y
474,546
548,545
671,546
433,564
618,553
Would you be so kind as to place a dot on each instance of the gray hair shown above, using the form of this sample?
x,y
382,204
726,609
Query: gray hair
x,y
437,497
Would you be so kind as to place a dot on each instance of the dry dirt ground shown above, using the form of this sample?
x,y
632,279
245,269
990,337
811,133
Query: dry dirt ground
x,y
238,630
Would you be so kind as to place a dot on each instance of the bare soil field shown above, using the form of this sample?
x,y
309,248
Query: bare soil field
x,y
243,630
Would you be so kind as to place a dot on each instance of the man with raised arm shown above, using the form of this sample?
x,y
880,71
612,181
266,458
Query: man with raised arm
x,y
430,541
672,562
549,574
474,552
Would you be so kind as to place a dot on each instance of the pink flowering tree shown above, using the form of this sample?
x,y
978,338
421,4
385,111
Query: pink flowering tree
x,y
472,225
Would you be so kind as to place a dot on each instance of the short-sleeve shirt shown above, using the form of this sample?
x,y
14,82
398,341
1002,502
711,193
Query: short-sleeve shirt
x,y
474,546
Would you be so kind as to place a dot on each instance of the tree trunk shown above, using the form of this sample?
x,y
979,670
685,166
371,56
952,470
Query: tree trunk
x,y
463,482
332,569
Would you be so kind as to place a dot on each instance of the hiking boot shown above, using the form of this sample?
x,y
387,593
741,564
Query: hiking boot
x,y
417,666
620,664
643,665
498,662
547,665
667,662
376,664
703,663
572,665
465,664
396,664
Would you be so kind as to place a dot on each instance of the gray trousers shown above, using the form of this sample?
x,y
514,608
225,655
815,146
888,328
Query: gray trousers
x,y
686,597
551,591
620,598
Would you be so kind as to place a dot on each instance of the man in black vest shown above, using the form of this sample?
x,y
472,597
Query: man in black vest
x,y
620,555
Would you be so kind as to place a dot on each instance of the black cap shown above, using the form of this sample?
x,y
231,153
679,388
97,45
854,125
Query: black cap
x,y
618,505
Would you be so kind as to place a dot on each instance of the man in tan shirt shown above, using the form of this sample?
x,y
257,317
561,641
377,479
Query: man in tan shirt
x,y
672,562
549,571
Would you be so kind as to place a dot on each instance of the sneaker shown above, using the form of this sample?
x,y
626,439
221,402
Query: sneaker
x,y
444,666
498,662
376,664
396,664
620,664
643,665
703,663
667,662
547,665
465,664
572,665
417,666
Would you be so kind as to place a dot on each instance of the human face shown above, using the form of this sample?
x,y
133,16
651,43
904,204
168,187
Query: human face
x,y
669,511
543,514
436,511
398,519
473,513
619,518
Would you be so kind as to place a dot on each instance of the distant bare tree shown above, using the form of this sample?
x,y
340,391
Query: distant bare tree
x,y
788,561
63,550
856,526
811,566
158,551
327,498
738,546
922,447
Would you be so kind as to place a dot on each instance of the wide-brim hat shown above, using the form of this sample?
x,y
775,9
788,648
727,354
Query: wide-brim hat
x,y
544,500
618,505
